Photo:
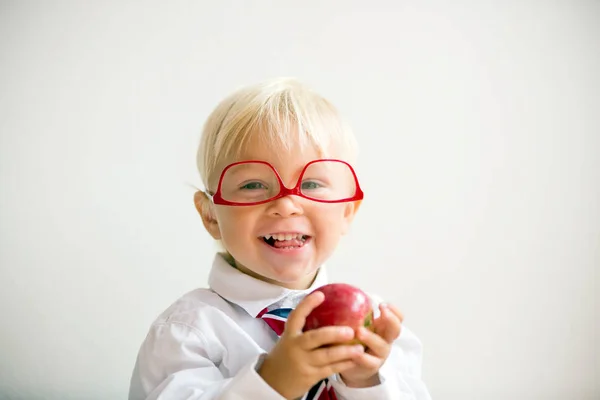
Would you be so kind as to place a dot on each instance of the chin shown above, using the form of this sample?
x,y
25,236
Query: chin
x,y
281,272
291,275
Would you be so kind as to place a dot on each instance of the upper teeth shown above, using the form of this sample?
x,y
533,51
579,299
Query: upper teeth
x,y
285,236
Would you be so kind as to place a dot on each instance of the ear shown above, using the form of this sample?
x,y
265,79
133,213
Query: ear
x,y
205,208
349,213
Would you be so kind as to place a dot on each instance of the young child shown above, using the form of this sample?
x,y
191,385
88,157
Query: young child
x,y
275,159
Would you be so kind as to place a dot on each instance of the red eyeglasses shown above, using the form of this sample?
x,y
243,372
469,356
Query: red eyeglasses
x,y
248,183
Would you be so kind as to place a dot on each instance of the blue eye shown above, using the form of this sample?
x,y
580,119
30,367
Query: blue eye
x,y
308,185
253,186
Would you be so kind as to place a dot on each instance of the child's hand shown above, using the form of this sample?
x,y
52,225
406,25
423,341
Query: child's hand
x,y
379,343
297,361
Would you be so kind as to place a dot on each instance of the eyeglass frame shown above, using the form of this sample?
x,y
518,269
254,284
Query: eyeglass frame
x,y
284,191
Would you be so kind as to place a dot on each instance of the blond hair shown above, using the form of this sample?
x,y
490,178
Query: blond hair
x,y
282,113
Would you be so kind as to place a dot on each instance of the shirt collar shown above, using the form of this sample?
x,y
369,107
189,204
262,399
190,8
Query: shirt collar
x,y
252,294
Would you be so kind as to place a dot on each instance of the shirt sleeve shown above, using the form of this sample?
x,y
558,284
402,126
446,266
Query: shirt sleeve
x,y
173,364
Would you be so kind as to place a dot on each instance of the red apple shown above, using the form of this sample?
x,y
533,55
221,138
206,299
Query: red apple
x,y
344,305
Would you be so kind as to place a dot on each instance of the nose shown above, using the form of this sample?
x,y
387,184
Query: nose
x,y
287,206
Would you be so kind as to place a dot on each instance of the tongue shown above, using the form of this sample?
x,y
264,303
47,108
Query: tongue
x,y
288,243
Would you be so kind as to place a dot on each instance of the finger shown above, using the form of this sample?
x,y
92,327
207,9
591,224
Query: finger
x,y
379,322
395,311
368,361
335,354
390,325
376,344
336,368
297,318
325,336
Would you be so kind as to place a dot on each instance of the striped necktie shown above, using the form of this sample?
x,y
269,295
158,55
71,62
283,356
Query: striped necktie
x,y
276,318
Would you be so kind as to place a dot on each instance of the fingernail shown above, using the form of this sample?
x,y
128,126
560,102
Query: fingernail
x,y
346,331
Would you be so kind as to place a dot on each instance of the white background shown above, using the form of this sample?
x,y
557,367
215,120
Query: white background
x,y
479,132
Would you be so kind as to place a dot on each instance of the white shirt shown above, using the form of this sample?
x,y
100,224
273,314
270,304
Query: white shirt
x,y
209,344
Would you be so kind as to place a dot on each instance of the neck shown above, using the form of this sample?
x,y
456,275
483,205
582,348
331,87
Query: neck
x,y
301,284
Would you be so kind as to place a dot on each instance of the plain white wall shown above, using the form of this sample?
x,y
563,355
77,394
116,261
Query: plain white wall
x,y
479,130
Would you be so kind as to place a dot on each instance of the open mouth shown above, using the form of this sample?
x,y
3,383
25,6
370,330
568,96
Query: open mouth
x,y
286,240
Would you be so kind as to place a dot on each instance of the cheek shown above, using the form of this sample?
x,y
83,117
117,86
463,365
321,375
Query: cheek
x,y
331,221
234,223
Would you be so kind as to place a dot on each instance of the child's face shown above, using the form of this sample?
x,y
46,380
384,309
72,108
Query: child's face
x,y
242,228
